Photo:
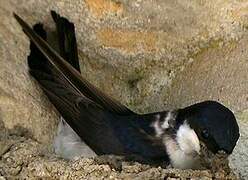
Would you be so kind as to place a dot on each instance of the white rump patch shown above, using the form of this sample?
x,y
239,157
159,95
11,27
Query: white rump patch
x,y
68,145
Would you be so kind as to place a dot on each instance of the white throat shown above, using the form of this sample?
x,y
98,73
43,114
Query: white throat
x,y
183,150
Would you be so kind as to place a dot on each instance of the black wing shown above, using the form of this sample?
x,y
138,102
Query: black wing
x,y
76,109
81,85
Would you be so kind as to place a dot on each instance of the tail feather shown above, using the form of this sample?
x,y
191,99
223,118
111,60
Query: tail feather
x,y
36,59
67,45
67,40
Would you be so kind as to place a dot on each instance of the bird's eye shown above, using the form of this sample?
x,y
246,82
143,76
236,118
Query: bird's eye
x,y
205,134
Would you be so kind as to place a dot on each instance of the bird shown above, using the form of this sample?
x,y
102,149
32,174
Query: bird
x,y
106,127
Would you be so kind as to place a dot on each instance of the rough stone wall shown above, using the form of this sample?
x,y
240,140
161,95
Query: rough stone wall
x,y
150,55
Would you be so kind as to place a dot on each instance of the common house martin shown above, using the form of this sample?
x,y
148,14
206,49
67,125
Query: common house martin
x,y
96,124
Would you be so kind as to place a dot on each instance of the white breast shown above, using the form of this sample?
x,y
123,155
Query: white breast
x,y
183,150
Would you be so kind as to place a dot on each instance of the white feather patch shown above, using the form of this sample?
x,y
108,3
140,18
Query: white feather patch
x,y
159,126
168,117
68,145
159,131
184,149
187,139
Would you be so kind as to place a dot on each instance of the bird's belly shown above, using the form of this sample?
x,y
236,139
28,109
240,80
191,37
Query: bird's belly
x,y
68,145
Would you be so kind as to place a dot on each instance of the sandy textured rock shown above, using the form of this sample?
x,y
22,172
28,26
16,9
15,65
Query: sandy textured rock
x,y
218,72
21,102
149,55
238,159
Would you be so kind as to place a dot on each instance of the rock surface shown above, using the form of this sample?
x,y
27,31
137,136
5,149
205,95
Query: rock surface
x,y
238,159
149,55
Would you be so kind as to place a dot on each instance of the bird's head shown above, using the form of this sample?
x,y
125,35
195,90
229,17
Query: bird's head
x,y
214,124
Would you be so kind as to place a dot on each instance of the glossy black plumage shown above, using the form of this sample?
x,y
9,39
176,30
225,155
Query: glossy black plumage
x,y
106,125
